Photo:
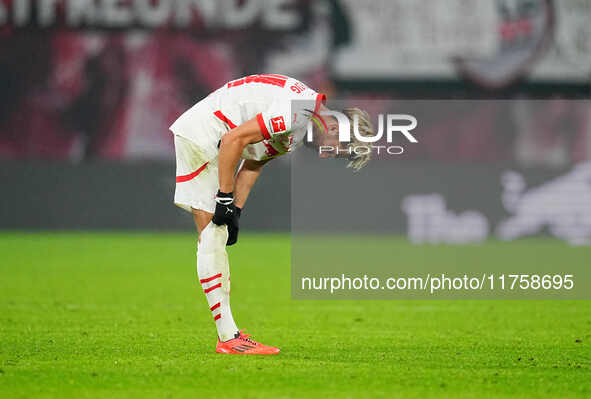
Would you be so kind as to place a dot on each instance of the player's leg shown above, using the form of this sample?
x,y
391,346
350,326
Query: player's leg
x,y
195,191
213,270
197,184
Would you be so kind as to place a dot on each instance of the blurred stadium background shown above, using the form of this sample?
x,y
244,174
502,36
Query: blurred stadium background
x,y
89,89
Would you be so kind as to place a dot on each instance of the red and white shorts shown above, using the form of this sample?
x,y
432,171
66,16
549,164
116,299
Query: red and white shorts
x,y
196,176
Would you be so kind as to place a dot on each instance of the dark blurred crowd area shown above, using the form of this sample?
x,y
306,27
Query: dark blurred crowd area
x,y
106,84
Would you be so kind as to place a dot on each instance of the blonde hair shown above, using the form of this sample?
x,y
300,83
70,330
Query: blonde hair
x,y
358,161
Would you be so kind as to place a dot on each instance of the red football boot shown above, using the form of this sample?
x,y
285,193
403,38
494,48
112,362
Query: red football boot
x,y
242,345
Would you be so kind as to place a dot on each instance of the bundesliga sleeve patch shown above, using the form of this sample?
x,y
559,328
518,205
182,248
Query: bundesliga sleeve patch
x,y
278,124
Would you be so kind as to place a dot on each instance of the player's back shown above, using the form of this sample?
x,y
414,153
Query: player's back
x,y
268,98
242,99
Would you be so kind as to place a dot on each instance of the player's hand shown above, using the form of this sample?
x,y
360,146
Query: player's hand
x,y
225,210
226,213
233,228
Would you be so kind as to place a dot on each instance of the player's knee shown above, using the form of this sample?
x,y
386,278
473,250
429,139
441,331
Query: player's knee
x,y
201,218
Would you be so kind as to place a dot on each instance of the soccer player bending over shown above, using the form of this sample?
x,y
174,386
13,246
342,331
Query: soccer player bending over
x,y
253,119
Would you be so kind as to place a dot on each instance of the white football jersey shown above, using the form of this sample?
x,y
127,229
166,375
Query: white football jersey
x,y
280,104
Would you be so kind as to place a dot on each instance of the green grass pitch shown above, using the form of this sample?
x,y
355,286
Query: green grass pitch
x,y
122,315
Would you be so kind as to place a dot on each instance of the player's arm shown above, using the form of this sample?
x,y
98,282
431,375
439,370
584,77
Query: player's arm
x,y
231,147
247,175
